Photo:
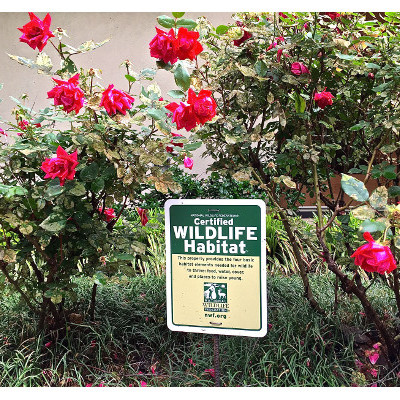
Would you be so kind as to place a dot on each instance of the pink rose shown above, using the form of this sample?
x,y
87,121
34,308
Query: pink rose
x,y
164,46
299,68
114,100
210,371
188,162
143,384
36,32
323,99
48,344
2,132
62,166
143,215
108,213
371,76
23,125
374,257
187,44
279,55
67,94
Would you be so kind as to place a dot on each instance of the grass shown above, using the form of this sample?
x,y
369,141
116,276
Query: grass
x,y
129,342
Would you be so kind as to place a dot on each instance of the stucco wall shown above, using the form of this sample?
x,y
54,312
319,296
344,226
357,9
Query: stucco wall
x,y
130,35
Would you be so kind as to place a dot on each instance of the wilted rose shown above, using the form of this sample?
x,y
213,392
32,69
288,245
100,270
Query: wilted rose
x,y
299,68
114,100
374,257
67,94
187,45
62,166
323,99
36,32
143,215
164,46
169,148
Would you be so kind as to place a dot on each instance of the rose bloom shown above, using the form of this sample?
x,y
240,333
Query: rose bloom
x,y
2,132
204,105
374,257
143,215
183,115
323,99
169,148
67,94
36,32
62,166
108,213
164,46
246,35
114,100
299,68
188,162
187,45
23,125
333,15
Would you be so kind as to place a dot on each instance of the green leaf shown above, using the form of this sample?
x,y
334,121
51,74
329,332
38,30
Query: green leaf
x,y
178,14
42,64
300,103
156,113
78,189
54,189
165,21
363,212
89,173
379,198
54,222
390,172
68,65
97,185
189,24
381,87
99,278
354,188
193,146
372,65
176,94
346,56
394,191
124,256
11,191
261,68
182,77
372,226
130,78
90,45
222,29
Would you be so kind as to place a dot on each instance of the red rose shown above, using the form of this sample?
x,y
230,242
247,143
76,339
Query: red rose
x,y
36,32
332,15
374,257
246,35
299,69
323,99
2,132
67,94
371,76
187,44
283,15
204,105
108,213
201,108
169,148
23,124
62,166
143,215
114,100
164,46
183,115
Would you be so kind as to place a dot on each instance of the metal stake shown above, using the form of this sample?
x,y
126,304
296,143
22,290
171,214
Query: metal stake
x,y
216,361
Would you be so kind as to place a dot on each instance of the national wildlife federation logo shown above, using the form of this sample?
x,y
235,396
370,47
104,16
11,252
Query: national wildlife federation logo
x,y
215,292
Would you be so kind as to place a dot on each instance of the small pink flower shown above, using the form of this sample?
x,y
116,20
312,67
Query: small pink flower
x,y
362,313
48,344
93,343
269,327
210,371
188,162
143,384
308,362
23,124
373,358
130,385
305,26
191,362
374,385
153,369
102,384
2,132
376,346
89,385
147,319
108,213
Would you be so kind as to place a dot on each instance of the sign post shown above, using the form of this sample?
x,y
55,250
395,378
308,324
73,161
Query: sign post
x,y
216,266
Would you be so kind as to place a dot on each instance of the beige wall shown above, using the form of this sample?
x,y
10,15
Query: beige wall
x,y
130,35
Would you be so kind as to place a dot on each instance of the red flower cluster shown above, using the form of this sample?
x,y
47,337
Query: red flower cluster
x,y
169,48
143,215
108,213
374,257
200,109
23,125
36,32
299,68
323,99
67,94
114,100
333,15
62,166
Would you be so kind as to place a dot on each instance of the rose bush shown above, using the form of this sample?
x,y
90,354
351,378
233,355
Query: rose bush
x,y
73,168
